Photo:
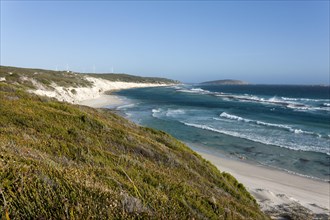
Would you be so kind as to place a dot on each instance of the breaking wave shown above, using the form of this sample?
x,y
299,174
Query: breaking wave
x,y
259,139
292,103
281,126
168,113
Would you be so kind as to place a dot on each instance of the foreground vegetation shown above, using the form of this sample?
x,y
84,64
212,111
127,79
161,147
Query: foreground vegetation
x,y
63,161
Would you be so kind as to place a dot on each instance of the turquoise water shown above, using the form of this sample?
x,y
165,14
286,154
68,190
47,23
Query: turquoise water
x,y
286,127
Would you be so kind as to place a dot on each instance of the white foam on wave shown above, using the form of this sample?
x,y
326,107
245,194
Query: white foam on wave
x,y
205,127
308,108
258,139
263,100
174,112
281,126
177,87
275,100
155,112
233,117
195,90
126,106
198,90
303,99
289,99
292,103
298,107
299,131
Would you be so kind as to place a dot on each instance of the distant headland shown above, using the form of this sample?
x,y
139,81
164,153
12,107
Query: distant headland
x,y
226,82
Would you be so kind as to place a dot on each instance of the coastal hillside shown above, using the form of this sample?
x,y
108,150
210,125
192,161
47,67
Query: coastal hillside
x,y
121,77
64,161
74,87
25,76
226,82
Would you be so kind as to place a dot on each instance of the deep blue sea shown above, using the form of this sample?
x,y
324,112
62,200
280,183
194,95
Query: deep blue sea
x,y
281,126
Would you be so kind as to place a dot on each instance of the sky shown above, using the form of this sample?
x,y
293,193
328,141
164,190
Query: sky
x,y
272,42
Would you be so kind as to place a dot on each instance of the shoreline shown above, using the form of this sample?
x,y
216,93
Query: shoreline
x,y
276,191
109,101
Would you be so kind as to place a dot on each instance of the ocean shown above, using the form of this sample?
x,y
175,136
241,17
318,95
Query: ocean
x,y
280,126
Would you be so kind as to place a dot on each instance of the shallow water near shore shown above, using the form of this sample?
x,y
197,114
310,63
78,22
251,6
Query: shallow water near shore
x,y
284,127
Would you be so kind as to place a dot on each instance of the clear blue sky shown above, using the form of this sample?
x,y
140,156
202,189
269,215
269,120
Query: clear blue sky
x,y
283,42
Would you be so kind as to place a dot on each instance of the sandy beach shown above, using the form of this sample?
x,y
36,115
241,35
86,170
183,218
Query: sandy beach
x,y
109,101
275,190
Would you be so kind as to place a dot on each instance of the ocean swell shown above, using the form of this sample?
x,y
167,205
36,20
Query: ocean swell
x,y
259,139
280,126
292,103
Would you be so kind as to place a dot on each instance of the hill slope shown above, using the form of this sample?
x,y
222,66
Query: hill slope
x,y
63,161
74,87
32,78
45,78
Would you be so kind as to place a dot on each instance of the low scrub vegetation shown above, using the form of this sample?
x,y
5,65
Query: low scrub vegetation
x,y
130,78
63,161
32,78
46,79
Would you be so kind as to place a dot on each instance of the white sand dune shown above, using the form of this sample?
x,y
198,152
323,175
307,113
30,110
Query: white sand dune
x,y
83,94
103,101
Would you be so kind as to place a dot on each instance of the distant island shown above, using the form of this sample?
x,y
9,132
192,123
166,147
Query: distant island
x,y
226,82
